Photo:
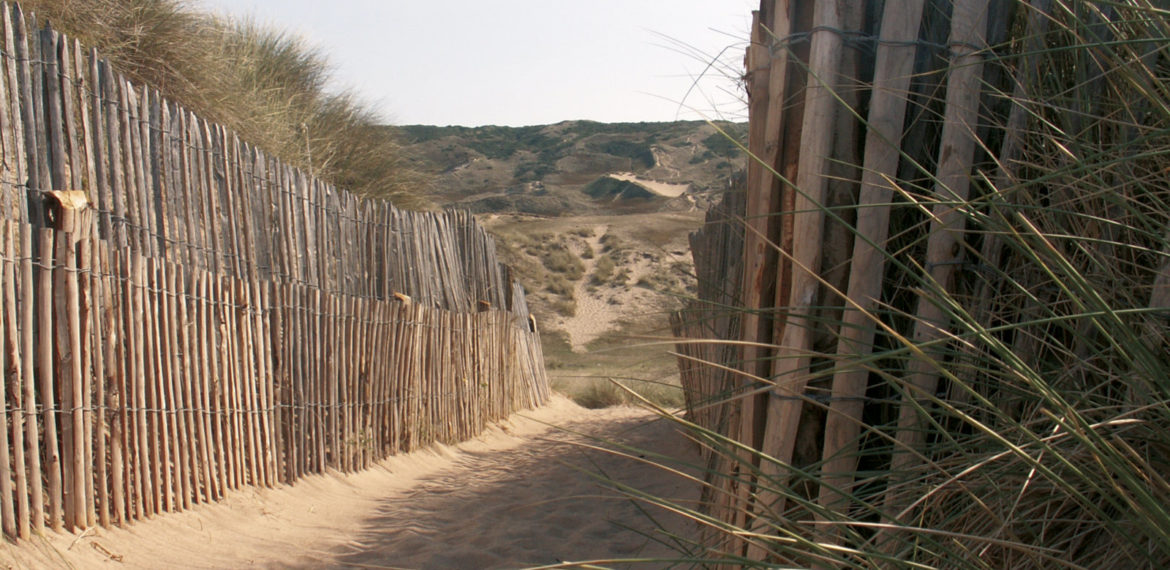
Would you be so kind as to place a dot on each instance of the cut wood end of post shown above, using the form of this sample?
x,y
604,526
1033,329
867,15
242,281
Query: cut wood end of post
x,y
68,211
71,199
405,300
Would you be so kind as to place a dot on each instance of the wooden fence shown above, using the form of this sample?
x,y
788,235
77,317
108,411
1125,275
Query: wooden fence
x,y
880,134
183,315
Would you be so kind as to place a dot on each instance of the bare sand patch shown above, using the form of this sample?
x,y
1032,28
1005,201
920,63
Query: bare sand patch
x,y
594,316
521,494
666,189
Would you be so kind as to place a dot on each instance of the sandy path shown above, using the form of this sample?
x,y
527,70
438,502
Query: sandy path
x,y
519,495
593,316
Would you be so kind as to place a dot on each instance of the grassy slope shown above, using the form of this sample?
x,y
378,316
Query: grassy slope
x,y
542,170
266,85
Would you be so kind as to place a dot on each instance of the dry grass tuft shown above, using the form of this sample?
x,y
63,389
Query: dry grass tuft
x,y
266,85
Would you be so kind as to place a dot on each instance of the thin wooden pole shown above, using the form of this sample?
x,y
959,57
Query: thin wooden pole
x,y
45,367
230,393
76,385
185,291
769,69
117,394
331,380
16,362
790,369
93,363
271,323
176,404
212,380
103,323
249,382
318,390
14,138
7,508
27,335
956,154
299,358
143,482
887,114
157,454
64,282
221,361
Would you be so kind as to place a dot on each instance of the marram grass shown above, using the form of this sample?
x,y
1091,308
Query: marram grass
x,y
1047,442
266,85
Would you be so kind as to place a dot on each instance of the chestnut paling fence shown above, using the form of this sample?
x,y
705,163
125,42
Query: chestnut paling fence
x,y
952,245
182,315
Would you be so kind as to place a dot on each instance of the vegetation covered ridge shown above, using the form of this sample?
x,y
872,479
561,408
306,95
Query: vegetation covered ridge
x,y
550,170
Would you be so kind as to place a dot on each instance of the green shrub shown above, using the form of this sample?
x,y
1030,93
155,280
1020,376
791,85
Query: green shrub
x,y
558,285
724,144
596,393
565,306
639,153
607,188
530,171
600,394
558,259
603,271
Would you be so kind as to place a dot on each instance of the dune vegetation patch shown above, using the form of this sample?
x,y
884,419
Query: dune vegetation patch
x,y
269,86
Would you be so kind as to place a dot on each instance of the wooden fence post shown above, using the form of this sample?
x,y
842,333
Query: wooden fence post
x,y
968,26
894,67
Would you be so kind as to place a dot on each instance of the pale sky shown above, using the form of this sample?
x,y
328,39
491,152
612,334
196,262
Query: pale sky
x,y
524,62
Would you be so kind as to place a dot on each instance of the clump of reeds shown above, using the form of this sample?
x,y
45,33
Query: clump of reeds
x,y
268,86
1047,441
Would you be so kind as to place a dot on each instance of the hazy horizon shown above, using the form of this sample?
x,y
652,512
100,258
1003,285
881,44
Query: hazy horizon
x,y
524,62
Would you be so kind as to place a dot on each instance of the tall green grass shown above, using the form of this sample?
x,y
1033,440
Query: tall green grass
x,y
1048,442
268,86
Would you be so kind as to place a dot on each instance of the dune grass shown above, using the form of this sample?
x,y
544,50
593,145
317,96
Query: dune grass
x,y
1046,443
617,369
266,85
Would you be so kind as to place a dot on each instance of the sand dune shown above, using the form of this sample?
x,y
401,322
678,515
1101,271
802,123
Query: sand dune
x,y
522,494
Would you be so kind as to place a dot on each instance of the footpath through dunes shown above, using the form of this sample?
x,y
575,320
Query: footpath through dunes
x,y
522,494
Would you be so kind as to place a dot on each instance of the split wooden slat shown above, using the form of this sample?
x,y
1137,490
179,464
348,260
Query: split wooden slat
x,y
46,366
29,378
73,385
14,123
100,316
7,507
266,380
93,363
887,114
953,180
16,363
116,392
760,231
180,487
